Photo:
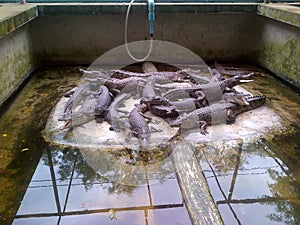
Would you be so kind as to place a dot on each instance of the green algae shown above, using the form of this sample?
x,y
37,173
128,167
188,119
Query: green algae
x,y
21,127
282,59
284,13
16,65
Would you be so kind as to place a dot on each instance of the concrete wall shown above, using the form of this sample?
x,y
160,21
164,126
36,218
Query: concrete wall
x,y
232,37
221,37
279,49
74,38
81,33
16,60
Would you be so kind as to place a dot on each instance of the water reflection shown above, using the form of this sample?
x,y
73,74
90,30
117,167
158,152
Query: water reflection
x,y
260,182
65,189
288,191
252,186
114,166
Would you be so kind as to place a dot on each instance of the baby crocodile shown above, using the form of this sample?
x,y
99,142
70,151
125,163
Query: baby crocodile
x,y
102,103
188,104
76,96
216,114
116,85
212,91
148,90
231,71
177,76
113,116
139,125
160,106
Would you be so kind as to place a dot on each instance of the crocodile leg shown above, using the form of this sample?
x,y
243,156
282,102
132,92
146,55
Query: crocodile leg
x,y
201,100
230,117
203,127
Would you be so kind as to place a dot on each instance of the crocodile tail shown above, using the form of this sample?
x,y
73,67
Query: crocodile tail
x,y
144,144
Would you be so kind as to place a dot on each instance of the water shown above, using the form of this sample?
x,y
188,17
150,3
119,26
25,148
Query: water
x,y
260,183
66,190
40,184
20,134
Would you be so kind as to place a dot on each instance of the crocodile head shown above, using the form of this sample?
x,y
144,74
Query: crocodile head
x,y
233,81
236,98
255,101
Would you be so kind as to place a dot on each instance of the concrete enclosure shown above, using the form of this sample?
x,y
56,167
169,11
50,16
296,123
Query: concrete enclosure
x,y
264,34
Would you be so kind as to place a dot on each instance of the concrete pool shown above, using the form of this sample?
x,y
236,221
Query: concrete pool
x,y
254,183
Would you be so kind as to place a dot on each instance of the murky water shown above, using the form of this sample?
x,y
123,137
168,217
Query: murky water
x,y
41,184
260,183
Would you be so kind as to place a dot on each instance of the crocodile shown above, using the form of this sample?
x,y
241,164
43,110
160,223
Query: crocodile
x,y
102,103
149,67
115,85
231,71
148,90
236,97
76,96
113,116
216,114
139,125
177,76
160,106
82,113
188,104
212,91
86,101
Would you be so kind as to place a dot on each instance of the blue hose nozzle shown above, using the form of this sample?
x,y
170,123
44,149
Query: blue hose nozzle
x,y
151,16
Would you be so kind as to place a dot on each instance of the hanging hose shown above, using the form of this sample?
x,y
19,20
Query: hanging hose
x,y
126,43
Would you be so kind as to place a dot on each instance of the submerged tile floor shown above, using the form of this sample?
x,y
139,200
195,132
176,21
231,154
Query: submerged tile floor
x,y
252,186
265,189
65,190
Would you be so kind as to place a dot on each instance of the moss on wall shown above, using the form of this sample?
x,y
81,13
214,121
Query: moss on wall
x,y
16,61
281,12
282,59
13,16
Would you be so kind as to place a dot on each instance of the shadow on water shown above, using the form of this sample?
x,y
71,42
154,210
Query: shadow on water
x,y
251,183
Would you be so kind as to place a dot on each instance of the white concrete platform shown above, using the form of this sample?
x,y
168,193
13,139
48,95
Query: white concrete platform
x,y
248,127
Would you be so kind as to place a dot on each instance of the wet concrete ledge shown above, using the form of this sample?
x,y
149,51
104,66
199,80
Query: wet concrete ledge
x,y
120,8
282,12
13,16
